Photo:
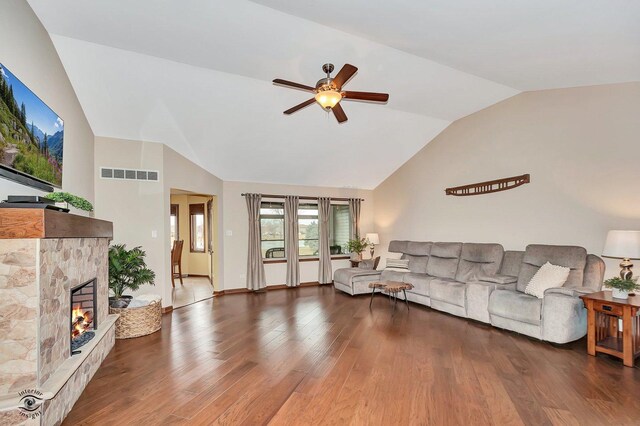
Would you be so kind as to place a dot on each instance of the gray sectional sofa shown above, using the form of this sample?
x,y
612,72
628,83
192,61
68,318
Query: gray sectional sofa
x,y
486,283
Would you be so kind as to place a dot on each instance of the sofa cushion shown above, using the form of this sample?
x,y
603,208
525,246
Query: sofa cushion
x,y
449,291
443,260
511,263
418,248
516,306
478,259
388,275
348,275
568,256
417,264
397,246
420,283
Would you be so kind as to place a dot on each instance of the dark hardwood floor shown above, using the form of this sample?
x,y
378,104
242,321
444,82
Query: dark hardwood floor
x,y
317,356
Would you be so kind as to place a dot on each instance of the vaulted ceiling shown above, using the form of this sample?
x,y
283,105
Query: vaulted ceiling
x,y
196,74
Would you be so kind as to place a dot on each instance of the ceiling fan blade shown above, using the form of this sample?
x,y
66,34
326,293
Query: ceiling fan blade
x,y
300,106
344,75
294,85
367,96
339,113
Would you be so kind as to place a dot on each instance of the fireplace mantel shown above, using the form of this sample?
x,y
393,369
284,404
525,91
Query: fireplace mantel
x,y
45,223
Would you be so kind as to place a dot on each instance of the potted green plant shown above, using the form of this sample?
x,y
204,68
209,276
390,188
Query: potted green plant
x,y
127,271
621,287
71,200
356,247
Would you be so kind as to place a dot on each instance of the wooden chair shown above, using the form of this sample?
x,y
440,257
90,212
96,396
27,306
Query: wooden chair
x,y
176,260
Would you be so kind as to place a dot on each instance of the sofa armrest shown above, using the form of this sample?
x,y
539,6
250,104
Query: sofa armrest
x,y
497,279
569,291
564,317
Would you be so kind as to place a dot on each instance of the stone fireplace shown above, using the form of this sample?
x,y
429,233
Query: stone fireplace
x,y
53,291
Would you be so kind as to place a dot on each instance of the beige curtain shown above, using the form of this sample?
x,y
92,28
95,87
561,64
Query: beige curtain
x,y
325,272
255,267
354,214
291,240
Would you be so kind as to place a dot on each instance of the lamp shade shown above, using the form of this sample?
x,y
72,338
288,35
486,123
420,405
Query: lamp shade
x,y
328,98
622,244
373,238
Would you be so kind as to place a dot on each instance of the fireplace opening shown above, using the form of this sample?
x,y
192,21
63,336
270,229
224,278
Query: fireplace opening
x,y
84,320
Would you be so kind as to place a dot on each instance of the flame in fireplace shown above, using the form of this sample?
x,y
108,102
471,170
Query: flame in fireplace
x,y
80,321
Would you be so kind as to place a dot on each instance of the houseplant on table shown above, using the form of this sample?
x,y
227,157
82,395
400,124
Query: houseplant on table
x,y
128,271
71,200
621,287
356,247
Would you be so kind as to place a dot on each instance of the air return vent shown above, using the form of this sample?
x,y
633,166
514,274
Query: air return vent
x,y
129,174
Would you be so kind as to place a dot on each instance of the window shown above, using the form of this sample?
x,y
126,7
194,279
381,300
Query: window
x,y
196,223
272,230
173,220
339,228
273,227
308,230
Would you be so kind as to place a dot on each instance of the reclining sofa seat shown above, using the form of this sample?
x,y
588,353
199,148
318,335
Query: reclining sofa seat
x,y
417,253
558,317
476,261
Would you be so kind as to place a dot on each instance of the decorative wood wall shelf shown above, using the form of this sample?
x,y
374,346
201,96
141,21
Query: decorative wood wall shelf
x,y
44,223
489,186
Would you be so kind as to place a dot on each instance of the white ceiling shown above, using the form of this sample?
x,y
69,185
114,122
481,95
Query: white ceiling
x,y
196,74
525,44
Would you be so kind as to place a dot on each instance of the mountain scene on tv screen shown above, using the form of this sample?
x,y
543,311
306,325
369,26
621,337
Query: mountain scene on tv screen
x,y
31,134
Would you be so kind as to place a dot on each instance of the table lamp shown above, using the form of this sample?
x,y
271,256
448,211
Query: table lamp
x,y
623,245
373,240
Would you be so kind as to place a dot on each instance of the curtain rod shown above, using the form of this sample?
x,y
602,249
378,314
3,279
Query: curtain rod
x,y
303,197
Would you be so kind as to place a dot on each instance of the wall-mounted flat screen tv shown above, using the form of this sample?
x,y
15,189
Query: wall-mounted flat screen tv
x,y
31,136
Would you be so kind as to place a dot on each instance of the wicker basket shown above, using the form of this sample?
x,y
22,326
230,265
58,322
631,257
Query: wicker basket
x,y
136,322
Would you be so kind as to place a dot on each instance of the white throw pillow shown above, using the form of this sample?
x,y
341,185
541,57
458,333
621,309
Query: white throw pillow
x,y
400,265
548,276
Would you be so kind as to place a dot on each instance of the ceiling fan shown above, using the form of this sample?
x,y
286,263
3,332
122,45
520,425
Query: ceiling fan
x,y
329,91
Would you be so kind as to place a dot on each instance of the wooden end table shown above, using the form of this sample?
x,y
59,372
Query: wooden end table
x,y
391,287
603,332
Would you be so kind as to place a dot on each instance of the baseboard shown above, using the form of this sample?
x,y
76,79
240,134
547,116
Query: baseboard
x,y
276,287
235,291
167,309
268,288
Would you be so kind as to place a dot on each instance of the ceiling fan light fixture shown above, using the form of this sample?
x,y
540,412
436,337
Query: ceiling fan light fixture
x,y
328,98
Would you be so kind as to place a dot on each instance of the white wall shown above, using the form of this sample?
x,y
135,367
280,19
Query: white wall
x,y
26,49
236,221
135,207
580,145
139,210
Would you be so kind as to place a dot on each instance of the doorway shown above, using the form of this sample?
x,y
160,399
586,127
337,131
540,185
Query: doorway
x,y
193,221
